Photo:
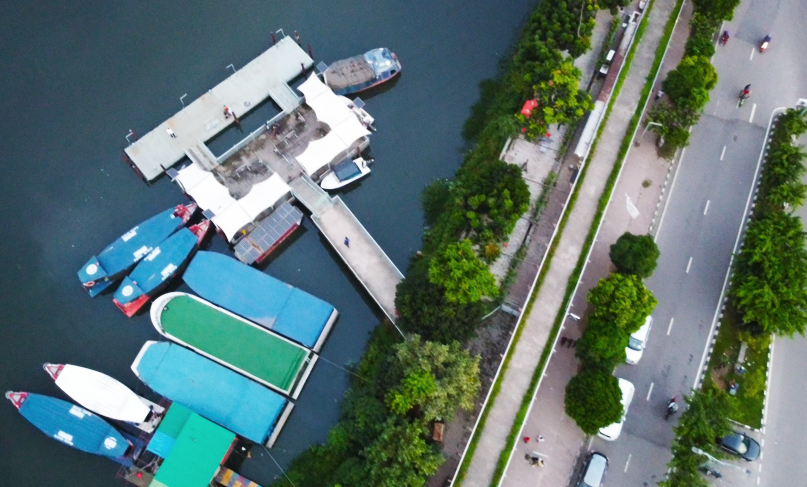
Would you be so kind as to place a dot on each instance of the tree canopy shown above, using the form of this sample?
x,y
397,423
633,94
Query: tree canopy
x,y
693,77
593,399
462,274
622,300
635,255
603,344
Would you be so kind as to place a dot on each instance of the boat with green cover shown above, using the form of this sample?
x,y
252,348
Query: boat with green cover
x,y
234,342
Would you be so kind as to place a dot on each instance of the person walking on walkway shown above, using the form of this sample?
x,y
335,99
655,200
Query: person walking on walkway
x,y
171,133
347,242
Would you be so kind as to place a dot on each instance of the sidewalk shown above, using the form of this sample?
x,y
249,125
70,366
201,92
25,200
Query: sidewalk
x,y
563,439
643,181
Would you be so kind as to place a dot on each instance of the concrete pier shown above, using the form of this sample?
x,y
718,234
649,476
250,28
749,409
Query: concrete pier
x,y
185,133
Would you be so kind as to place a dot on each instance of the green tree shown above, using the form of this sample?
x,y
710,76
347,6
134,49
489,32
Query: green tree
x,y
400,457
602,344
435,199
463,275
593,399
718,10
705,419
622,300
693,77
437,379
635,255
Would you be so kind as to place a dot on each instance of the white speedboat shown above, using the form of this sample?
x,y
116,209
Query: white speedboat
x,y
346,172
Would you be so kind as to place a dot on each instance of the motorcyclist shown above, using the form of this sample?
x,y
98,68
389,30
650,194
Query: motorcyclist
x,y
672,407
765,43
725,37
746,92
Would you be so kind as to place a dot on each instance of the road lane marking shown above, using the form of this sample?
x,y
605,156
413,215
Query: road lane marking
x,y
670,327
753,109
689,264
760,468
628,463
753,50
707,207
723,153
649,391
757,480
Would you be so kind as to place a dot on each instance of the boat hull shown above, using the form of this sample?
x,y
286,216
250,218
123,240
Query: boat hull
x,y
359,73
331,181
120,256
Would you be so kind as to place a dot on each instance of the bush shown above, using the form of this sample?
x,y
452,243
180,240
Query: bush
x,y
593,400
635,255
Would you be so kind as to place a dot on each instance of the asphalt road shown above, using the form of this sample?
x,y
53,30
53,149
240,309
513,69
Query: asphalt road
x,y
696,238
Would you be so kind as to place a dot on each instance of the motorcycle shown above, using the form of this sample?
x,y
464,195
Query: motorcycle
x,y
724,38
765,43
744,94
672,408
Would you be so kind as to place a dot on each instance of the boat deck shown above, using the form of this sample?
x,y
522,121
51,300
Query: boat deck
x,y
248,348
265,76
348,72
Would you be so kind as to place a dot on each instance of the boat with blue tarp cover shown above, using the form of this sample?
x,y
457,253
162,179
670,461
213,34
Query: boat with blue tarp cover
x,y
261,298
122,254
213,391
70,424
158,267
346,172
359,73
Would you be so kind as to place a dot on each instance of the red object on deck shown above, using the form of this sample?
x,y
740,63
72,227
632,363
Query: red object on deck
x,y
529,106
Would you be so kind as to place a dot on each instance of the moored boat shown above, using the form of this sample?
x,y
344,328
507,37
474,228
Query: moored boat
x,y
359,73
122,254
234,342
261,298
70,424
158,267
99,393
346,172
213,391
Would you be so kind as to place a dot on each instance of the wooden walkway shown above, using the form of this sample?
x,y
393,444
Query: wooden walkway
x,y
265,76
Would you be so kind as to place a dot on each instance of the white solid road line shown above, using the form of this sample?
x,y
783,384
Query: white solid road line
x,y
669,328
649,391
753,109
627,463
723,153
753,49
707,207
689,264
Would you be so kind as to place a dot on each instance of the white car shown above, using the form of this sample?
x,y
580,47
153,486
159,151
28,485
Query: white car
x,y
612,431
637,342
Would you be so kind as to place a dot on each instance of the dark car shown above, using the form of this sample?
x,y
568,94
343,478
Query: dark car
x,y
741,445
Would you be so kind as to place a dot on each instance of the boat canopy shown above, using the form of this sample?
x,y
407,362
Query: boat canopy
x,y
199,449
209,389
261,298
102,394
345,126
231,215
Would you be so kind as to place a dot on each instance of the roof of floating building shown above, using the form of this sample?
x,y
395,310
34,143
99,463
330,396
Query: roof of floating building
x,y
231,215
332,110
261,298
209,389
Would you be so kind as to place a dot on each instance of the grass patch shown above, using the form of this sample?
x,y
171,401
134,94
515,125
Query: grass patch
x,y
750,397
495,389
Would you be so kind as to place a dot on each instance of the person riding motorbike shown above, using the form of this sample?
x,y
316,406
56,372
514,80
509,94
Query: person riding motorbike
x,y
672,407
765,43
746,92
725,37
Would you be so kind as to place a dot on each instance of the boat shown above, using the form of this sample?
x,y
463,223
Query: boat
x,y
346,172
99,393
359,73
155,270
252,350
213,391
122,254
70,424
261,298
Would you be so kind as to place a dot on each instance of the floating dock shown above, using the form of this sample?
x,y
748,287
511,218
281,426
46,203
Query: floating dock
x,y
185,133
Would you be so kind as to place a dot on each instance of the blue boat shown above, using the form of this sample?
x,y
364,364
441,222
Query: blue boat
x,y
121,255
261,298
359,73
212,391
70,424
157,268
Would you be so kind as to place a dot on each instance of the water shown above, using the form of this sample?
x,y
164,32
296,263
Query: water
x,y
76,76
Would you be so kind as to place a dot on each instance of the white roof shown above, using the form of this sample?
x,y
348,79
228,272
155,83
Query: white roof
x,y
330,109
231,215
102,394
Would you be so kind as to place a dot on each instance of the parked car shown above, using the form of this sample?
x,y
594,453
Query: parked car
x,y
741,445
594,471
612,431
637,342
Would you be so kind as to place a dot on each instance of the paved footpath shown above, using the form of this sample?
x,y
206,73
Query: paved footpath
x,y
563,440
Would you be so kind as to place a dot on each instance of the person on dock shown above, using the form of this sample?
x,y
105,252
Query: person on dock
x,y
226,113
347,242
171,133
